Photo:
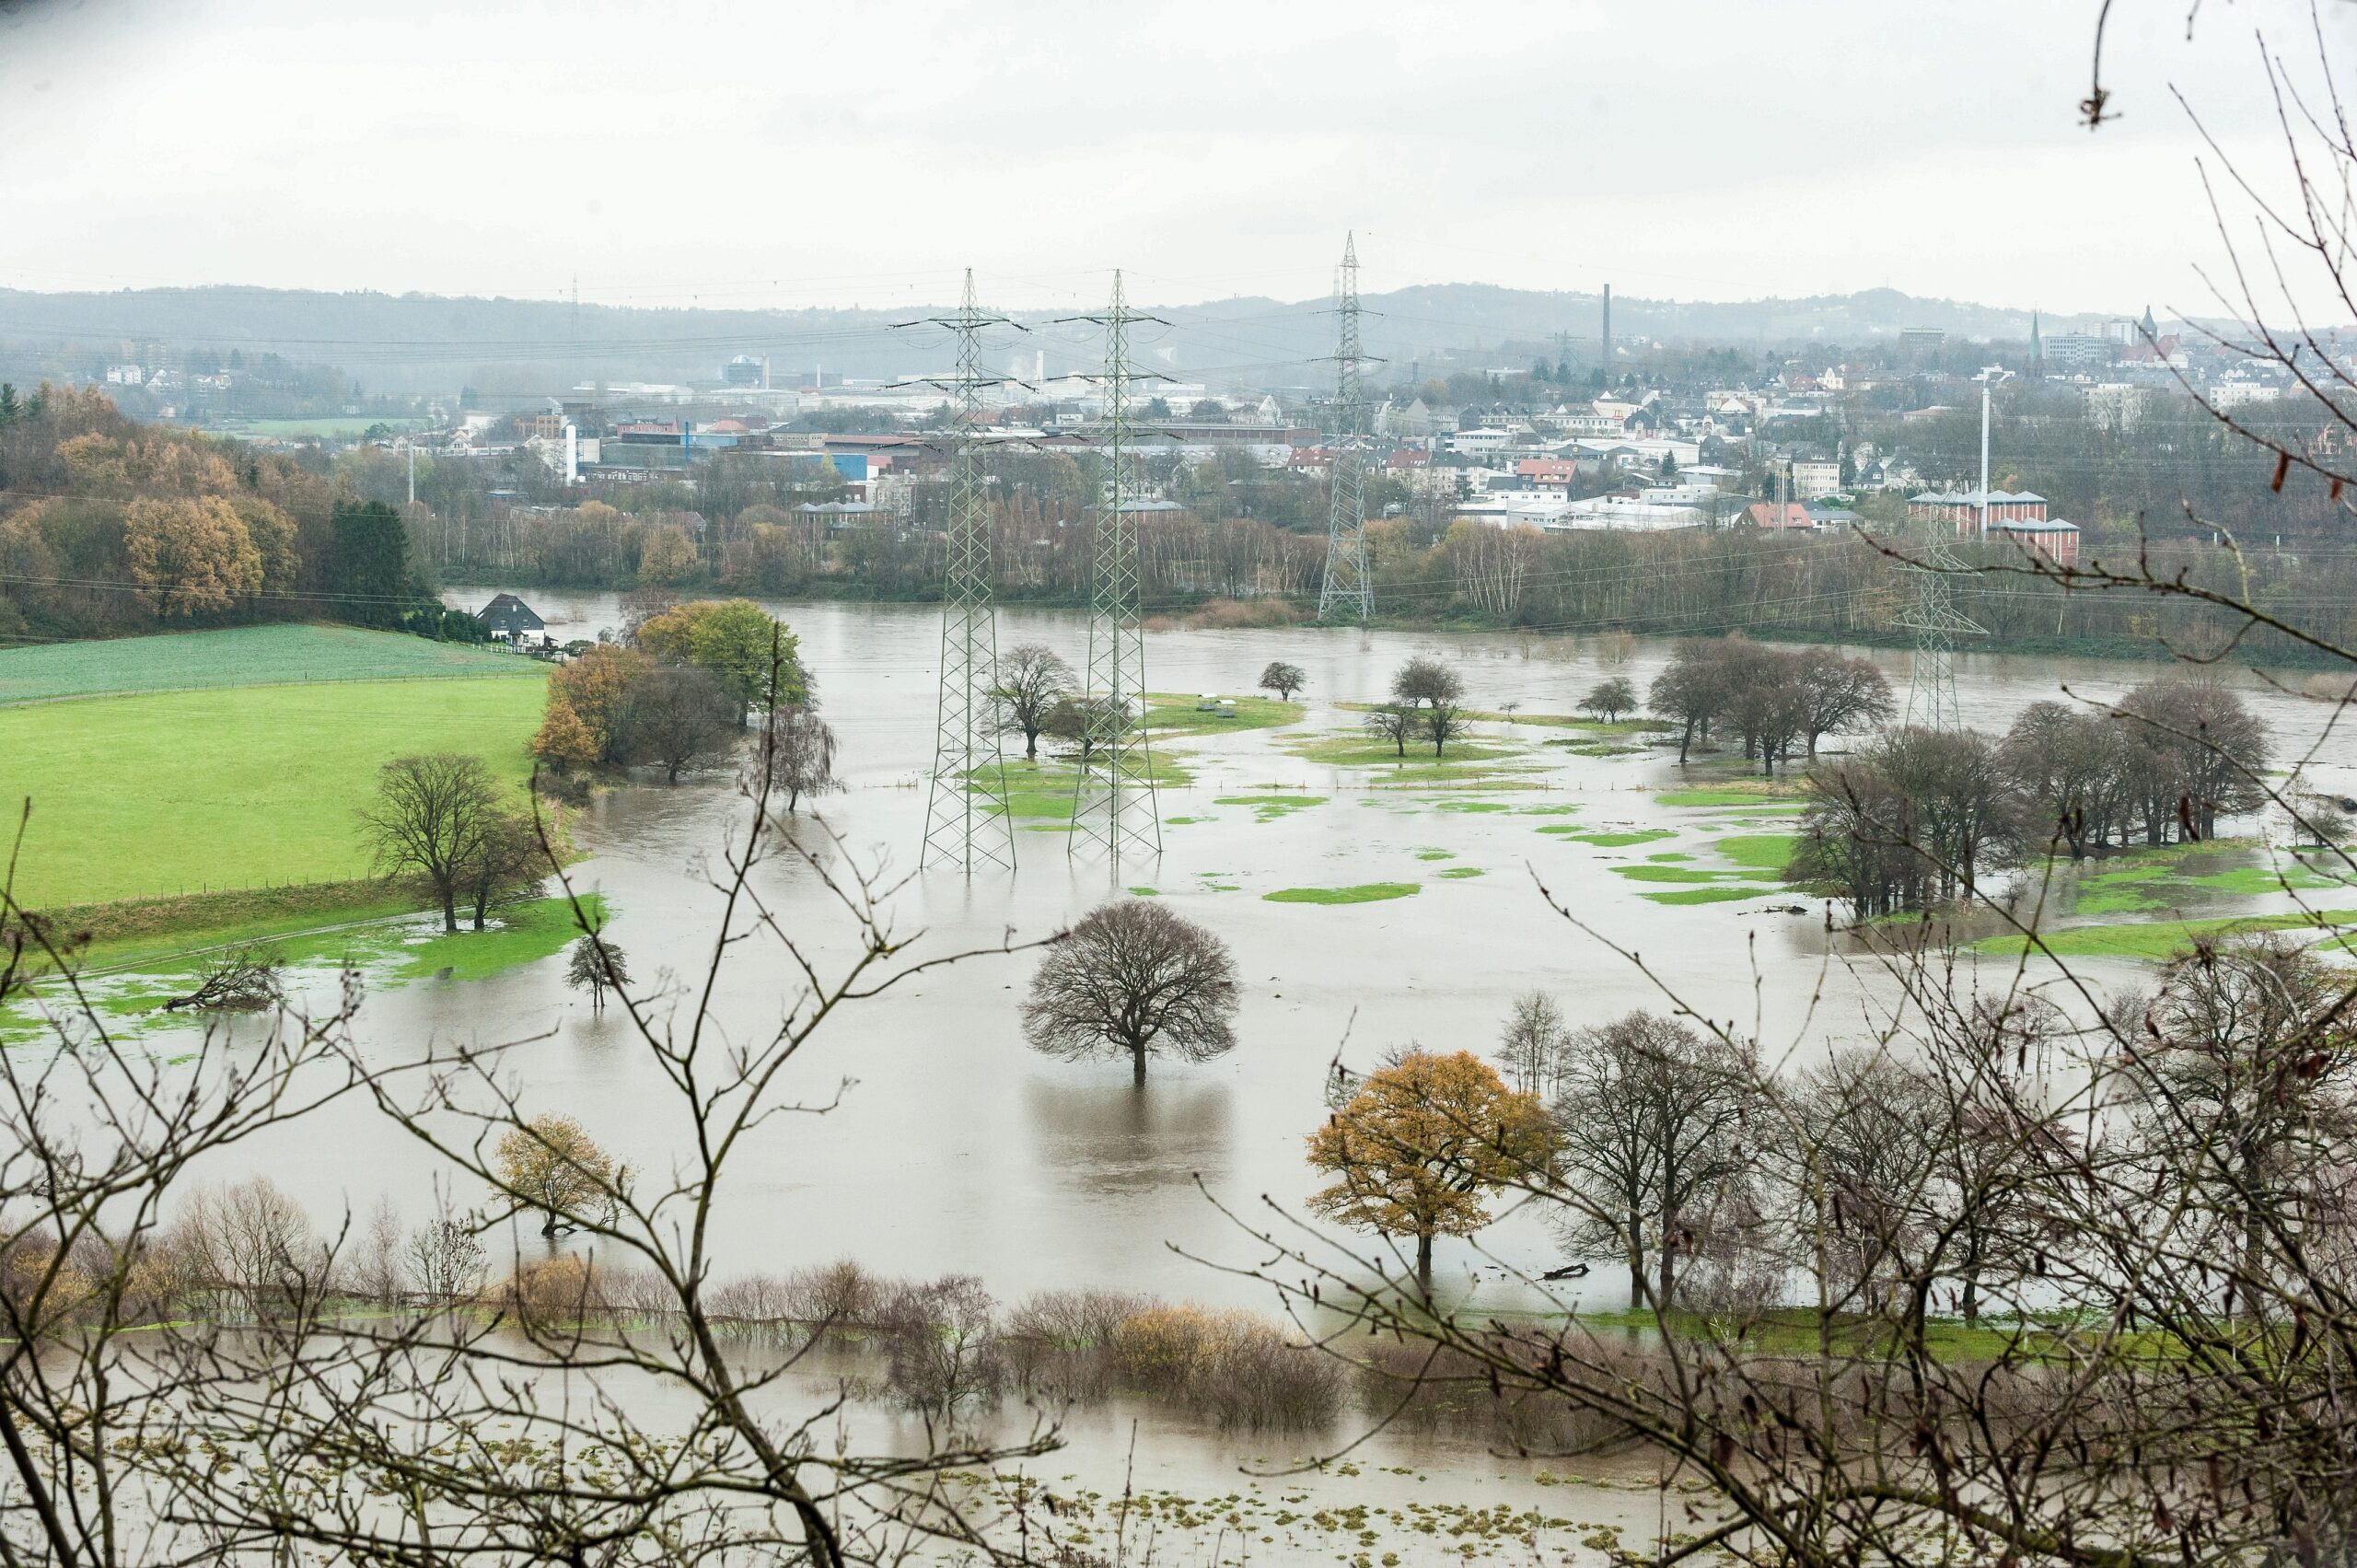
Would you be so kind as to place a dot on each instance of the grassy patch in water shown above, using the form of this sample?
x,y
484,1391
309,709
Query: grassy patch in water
x,y
1705,895
1669,854
1270,807
1040,791
1459,873
2161,939
1620,839
1756,800
1435,854
1759,852
1364,893
1145,892
1172,711
1647,872
1597,749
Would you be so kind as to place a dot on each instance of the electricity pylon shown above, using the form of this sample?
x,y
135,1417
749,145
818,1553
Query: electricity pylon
x,y
1347,589
1931,687
967,820
1114,807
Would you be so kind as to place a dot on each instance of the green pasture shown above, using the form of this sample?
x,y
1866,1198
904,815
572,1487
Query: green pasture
x,y
245,656
185,792
1364,893
1167,711
2160,940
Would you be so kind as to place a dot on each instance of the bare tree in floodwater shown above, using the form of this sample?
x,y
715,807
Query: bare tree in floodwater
x,y
1134,979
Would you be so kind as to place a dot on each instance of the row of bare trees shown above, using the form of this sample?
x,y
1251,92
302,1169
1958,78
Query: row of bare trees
x,y
1771,699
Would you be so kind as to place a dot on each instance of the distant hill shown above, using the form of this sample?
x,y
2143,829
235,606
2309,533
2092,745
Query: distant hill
x,y
427,342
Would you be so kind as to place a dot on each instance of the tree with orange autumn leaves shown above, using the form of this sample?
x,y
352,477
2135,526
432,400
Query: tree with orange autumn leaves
x,y
1421,1144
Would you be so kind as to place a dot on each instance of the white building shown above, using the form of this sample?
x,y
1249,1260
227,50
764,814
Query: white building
x,y
1517,508
1477,442
1617,512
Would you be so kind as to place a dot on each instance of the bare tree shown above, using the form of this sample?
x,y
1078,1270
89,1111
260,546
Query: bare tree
x,y
1031,679
429,818
1690,692
1608,699
1134,979
444,1262
800,756
509,863
1394,722
1839,695
1649,1118
243,980
1530,1049
1283,679
1437,694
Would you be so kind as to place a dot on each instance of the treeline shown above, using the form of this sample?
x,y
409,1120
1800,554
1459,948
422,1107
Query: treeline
x,y
108,526
1918,816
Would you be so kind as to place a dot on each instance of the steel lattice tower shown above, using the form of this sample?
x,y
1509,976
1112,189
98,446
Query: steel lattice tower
x,y
967,820
1348,588
1931,687
1114,806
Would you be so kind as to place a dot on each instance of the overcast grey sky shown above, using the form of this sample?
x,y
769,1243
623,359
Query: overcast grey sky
x,y
841,154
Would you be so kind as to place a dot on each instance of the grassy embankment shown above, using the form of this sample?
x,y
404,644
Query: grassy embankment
x,y
204,788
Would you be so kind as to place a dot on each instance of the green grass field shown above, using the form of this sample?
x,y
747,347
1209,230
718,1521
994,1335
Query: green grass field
x,y
183,791
246,655
1364,893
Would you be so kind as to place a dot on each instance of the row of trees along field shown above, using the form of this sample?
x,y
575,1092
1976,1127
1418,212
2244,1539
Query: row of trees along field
x,y
108,526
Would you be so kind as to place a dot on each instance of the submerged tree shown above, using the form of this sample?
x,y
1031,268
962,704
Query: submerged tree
x,y
1134,979
1031,679
597,966
1421,1144
550,1164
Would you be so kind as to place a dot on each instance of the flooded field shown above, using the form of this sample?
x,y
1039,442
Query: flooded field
x,y
954,1148
1369,903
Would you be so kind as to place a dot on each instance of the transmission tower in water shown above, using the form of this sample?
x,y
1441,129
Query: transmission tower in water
x,y
1347,590
1114,809
1931,691
966,823
1931,687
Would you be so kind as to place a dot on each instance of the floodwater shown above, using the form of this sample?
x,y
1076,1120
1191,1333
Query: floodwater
x,y
954,1148
935,1142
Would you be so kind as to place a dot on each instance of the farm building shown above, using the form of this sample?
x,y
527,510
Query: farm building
x,y
507,616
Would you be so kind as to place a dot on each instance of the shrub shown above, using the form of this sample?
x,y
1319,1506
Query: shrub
x,y
943,1346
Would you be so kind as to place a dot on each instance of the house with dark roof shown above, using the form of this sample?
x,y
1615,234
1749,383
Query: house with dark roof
x,y
509,617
